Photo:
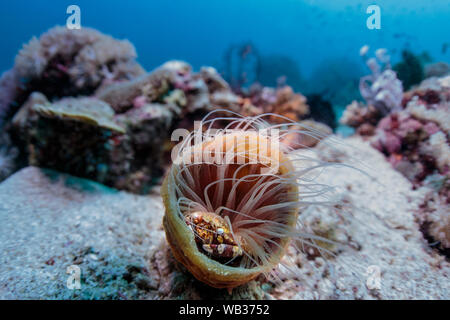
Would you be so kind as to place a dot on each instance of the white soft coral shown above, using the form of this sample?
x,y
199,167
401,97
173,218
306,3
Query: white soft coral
x,y
382,88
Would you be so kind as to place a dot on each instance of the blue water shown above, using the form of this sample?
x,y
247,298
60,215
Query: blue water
x,y
313,33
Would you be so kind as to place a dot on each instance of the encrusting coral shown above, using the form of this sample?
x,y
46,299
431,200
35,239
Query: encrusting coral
x,y
190,96
75,61
415,139
58,64
411,128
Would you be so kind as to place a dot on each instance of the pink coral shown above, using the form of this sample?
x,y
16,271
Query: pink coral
x,y
416,147
139,101
392,143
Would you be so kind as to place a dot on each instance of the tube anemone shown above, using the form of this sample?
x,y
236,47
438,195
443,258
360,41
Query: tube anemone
x,y
232,199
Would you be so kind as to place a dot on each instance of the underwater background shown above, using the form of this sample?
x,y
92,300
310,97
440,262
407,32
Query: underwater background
x,y
315,44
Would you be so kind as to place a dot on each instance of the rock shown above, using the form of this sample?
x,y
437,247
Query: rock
x,y
84,137
437,69
306,134
120,95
